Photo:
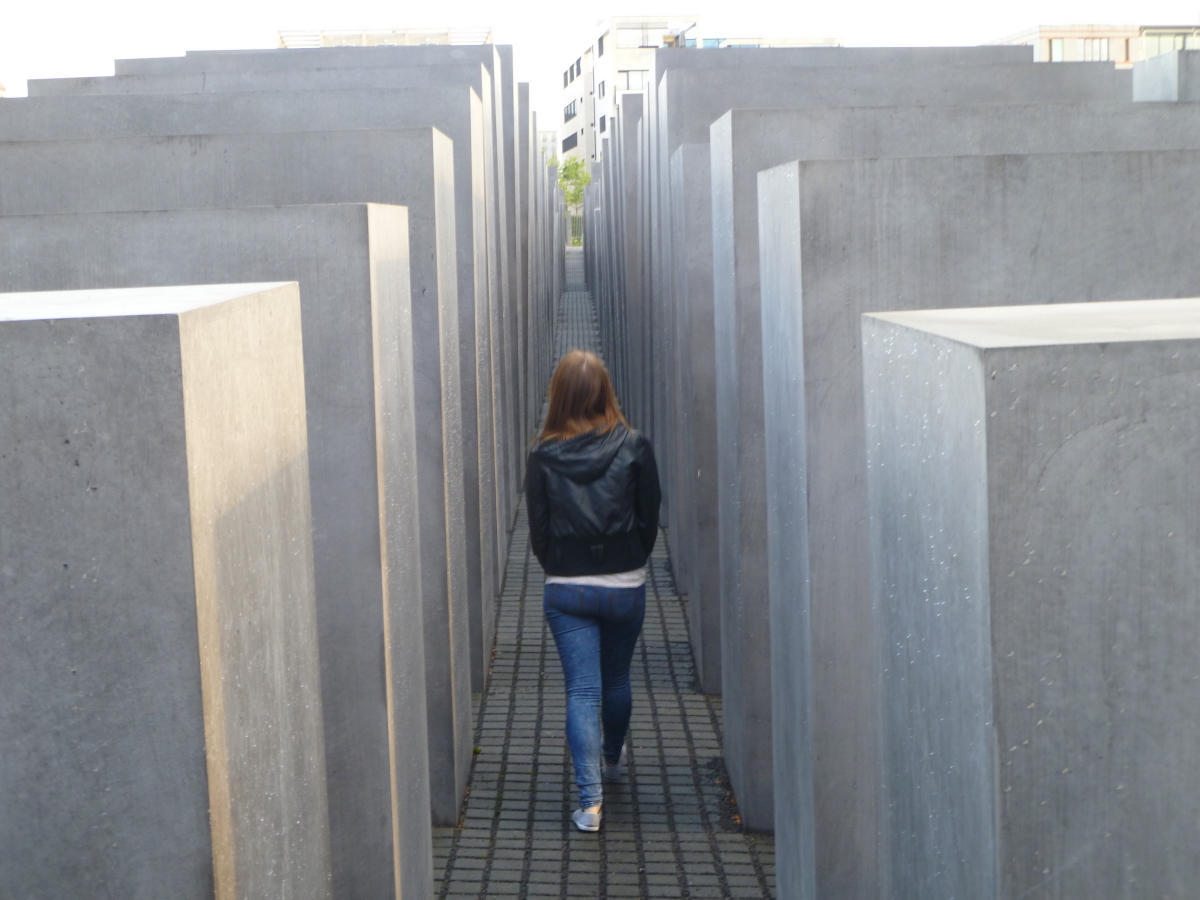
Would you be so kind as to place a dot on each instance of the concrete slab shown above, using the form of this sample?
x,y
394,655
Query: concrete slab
x,y
887,234
689,100
351,262
161,721
1033,514
694,531
743,142
508,110
455,110
411,167
1170,77
360,67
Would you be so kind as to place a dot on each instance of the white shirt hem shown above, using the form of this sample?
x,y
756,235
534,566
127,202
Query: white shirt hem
x,y
632,579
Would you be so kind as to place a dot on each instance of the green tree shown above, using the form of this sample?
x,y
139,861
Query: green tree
x,y
572,176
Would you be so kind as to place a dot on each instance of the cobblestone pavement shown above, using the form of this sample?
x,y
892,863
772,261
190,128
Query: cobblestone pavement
x,y
670,828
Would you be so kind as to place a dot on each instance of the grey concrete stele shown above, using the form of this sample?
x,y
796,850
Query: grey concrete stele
x,y
454,108
1168,77
161,722
686,101
409,167
730,496
863,235
346,68
352,264
1034,519
743,142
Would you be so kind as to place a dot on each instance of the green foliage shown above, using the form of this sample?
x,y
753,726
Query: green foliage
x,y
573,174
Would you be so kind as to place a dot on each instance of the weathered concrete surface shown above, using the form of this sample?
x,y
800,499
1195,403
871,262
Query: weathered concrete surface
x,y
1033,514
694,533
351,262
1170,76
507,111
410,167
378,67
458,112
784,453
746,141
901,233
161,721
689,101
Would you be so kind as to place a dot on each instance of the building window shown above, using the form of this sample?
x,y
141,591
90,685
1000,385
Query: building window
x,y
600,91
569,111
1157,44
602,118
1056,49
570,142
578,67
566,78
1095,49
712,43
600,46
631,79
632,37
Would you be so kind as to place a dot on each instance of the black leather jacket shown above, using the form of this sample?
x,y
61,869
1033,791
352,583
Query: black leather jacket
x,y
593,503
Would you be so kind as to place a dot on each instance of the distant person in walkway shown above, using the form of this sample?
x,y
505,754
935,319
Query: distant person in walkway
x,y
592,492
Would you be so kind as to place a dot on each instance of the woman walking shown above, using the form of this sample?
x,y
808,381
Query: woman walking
x,y
592,492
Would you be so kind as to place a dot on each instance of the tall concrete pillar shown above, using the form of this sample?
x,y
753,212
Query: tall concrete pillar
x,y
1034,518
352,264
410,167
861,235
161,723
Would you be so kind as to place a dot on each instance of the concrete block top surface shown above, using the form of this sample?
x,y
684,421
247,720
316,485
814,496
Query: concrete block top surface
x,y
1067,323
148,301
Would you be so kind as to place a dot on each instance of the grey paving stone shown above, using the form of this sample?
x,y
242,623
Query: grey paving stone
x,y
670,819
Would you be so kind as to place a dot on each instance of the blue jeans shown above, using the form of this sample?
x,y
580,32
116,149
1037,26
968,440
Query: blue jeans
x,y
595,630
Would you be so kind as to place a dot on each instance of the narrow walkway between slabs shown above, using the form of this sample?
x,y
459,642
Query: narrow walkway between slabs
x,y
671,828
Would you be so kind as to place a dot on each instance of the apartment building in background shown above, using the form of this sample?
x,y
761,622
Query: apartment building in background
x,y
1121,44
618,60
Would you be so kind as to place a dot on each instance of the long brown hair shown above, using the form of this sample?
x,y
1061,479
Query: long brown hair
x,y
582,399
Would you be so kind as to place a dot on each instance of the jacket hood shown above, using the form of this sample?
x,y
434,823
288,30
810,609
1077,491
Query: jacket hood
x,y
585,457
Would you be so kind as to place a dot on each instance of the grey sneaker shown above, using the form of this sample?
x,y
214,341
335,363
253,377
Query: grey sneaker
x,y
615,771
586,821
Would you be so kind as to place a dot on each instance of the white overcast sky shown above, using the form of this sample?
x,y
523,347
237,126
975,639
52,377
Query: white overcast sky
x,y
46,39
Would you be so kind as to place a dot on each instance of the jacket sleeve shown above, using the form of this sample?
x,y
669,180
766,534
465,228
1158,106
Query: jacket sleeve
x,y
649,496
538,508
